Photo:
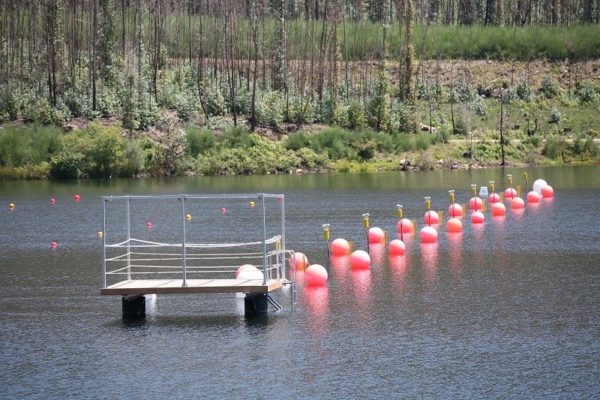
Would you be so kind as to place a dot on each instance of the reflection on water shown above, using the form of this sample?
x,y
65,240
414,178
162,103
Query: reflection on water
x,y
508,309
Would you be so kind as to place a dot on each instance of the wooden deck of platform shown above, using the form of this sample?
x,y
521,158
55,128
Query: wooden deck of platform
x,y
174,286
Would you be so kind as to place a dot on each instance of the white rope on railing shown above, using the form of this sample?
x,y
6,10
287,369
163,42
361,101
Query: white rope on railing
x,y
147,243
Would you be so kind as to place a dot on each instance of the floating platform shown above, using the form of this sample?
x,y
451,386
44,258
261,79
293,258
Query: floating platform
x,y
175,286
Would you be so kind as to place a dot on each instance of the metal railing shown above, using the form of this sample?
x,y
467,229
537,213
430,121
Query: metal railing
x,y
134,258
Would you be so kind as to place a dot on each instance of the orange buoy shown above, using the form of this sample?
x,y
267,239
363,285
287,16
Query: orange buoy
x,y
477,217
498,210
376,235
517,203
360,259
493,198
454,225
405,225
431,218
339,247
547,191
428,235
396,248
315,275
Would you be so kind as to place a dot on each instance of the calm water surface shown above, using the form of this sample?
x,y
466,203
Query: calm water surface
x,y
507,311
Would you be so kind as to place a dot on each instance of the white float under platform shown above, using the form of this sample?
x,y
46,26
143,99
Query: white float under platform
x,y
175,286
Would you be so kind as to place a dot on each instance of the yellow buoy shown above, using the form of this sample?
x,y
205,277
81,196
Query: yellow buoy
x,y
100,234
188,217
251,204
11,206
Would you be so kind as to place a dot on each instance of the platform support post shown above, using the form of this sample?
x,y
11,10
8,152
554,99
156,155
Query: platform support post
x,y
134,307
183,252
128,239
255,304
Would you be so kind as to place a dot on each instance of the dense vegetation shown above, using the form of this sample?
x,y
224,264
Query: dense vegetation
x,y
178,85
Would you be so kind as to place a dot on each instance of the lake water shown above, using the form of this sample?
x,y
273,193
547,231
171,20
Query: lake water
x,y
508,311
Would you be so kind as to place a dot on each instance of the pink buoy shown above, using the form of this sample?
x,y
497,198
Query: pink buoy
x,y
498,210
396,248
517,203
76,198
475,203
455,210
360,259
405,225
477,217
431,218
299,261
533,197
547,191
149,225
339,247
223,210
52,200
376,235
428,235
493,198
510,193
454,225
53,244
315,275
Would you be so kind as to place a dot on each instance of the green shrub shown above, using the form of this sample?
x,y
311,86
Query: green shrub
x,y
297,141
587,92
270,109
422,141
549,88
356,115
67,164
186,108
554,117
236,137
30,144
554,147
403,141
132,162
308,158
333,141
105,149
199,141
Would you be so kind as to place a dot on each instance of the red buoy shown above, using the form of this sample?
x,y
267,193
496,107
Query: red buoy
x,y
315,275
475,203
431,218
405,225
498,210
376,235
360,259
517,203
396,248
510,193
493,198
76,198
455,210
53,244
52,200
477,217
454,225
428,235
149,225
547,191
339,247
533,197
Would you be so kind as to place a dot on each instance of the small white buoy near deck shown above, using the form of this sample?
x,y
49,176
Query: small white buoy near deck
x,y
315,275
538,184
248,271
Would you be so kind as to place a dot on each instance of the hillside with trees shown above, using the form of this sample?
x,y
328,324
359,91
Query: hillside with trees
x,y
105,88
